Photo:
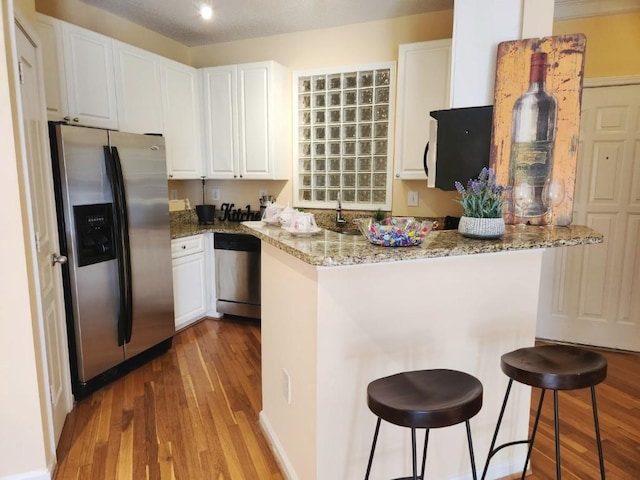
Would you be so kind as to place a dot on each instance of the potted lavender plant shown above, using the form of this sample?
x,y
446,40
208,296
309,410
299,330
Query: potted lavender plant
x,y
482,202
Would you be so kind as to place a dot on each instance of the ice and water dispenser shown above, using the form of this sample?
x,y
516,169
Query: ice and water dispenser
x,y
94,233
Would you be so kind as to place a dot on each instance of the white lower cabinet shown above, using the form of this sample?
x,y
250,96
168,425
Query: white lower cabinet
x,y
190,285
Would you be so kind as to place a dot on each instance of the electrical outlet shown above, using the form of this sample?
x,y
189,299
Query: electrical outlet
x,y
262,193
412,199
174,194
215,194
286,386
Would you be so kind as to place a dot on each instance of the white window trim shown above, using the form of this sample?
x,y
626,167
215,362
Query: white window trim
x,y
297,202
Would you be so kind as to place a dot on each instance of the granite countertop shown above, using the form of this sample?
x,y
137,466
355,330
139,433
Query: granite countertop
x,y
185,223
328,248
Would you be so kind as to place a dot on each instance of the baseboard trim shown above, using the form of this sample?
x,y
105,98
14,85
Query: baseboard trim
x,y
36,475
276,448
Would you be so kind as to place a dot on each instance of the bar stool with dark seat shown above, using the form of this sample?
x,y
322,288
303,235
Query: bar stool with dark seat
x,y
551,367
425,399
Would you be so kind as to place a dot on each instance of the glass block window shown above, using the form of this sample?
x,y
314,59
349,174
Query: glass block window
x,y
343,120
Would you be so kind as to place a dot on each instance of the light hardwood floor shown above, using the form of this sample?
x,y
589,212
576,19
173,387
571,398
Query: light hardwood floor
x,y
192,414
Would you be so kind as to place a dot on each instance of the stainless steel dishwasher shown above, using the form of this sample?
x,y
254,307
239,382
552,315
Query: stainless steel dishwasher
x,y
237,258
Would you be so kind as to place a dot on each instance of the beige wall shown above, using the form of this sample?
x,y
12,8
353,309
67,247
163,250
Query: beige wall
x,y
613,43
349,45
352,44
22,435
93,18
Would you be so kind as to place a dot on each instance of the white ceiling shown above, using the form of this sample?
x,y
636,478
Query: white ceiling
x,y
242,19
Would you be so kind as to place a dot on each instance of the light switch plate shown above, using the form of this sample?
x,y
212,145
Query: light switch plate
x,y
412,199
174,194
215,194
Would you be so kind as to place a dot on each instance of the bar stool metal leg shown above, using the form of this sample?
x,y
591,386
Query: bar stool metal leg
x,y
556,422
596,423
471,455
533,433
413,451
414,454
424,453
373,448
495,433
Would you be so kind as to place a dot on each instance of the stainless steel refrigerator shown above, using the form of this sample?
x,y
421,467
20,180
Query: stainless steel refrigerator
x,y
113,216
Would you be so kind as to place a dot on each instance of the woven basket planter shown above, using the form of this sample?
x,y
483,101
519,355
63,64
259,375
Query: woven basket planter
x,y
482,228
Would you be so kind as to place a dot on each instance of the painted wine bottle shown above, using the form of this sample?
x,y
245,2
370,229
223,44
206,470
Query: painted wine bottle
x,y
533,131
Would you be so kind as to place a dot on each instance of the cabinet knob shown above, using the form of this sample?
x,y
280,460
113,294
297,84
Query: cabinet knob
x,y
397,175
170,176
240,176
76,119
66,118
235,176
184,247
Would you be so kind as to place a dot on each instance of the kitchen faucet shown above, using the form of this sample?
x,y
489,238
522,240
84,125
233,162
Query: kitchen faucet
x,y
340,222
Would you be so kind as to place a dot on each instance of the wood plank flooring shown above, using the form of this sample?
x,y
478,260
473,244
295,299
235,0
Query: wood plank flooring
x,y
192,414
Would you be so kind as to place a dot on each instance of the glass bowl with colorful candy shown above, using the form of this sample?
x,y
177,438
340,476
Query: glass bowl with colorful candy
x,y
395,231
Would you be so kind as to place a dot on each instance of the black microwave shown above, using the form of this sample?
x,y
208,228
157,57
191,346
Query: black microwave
x,y
459,145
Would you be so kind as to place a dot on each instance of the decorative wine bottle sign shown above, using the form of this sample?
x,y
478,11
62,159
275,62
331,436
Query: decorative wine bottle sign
x,y
533,130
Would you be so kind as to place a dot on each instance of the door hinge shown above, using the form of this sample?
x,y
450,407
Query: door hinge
x,y
21,73
37,242
51,393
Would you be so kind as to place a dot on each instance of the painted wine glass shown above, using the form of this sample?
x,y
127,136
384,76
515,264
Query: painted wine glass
x,y
553,194
523,197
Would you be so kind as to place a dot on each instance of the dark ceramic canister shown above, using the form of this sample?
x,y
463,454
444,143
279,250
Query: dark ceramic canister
x,y
206,214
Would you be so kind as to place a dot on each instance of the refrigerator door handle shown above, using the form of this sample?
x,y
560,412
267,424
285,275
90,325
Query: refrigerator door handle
x,y
123,252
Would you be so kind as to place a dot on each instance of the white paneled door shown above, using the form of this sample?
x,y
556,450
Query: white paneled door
x,y
43,225
596,294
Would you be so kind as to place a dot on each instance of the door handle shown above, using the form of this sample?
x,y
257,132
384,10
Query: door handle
x,y
55,258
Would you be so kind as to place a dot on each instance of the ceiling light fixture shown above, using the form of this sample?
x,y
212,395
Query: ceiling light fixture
x,y
206,11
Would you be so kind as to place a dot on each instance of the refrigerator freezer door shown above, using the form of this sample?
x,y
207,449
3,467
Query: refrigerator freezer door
x,y
93,287
142,159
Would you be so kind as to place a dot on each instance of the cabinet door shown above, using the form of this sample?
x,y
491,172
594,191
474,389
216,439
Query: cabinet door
x,y
189,291
91,93
424,71
137,80
220,121
49,30
254,151
181,107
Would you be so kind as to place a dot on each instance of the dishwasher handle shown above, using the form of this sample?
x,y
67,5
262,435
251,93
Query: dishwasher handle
x,y
236,241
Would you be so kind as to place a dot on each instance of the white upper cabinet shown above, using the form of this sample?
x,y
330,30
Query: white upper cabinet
x,y
137,80
247,113
221,121
50,32
90,86
181,114
78,68
424,71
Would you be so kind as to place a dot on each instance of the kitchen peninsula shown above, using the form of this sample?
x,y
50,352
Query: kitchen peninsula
x,y
338,312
